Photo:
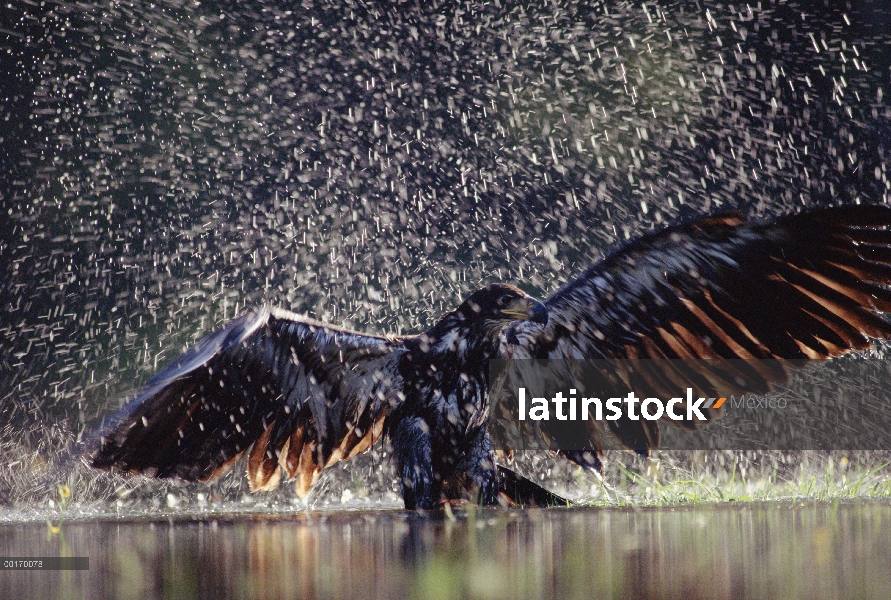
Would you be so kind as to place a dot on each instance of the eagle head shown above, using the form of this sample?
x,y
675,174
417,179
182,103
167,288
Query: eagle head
x,y
500,304
477,327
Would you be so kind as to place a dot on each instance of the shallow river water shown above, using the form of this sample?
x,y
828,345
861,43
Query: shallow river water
x,y
755,550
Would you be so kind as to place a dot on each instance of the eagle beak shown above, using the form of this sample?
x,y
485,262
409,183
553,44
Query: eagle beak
x,y
527,309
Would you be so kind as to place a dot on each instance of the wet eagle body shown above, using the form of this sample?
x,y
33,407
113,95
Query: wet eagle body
x,y
299,395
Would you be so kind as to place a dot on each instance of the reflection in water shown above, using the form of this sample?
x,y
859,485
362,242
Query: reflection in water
x,y
728,551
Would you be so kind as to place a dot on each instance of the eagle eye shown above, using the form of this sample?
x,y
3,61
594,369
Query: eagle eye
x,y
505,299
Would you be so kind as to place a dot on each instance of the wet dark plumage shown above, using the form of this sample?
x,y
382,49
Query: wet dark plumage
x,y
298,395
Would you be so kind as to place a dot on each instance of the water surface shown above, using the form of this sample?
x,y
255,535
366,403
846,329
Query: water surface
x,y
763,550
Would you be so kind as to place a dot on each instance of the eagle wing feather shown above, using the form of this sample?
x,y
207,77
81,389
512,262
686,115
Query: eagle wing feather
x,y
299,393
806,286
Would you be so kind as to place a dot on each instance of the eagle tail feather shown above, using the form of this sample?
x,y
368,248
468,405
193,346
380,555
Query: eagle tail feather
x,y
516,490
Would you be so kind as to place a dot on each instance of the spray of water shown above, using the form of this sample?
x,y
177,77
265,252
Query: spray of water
x,y
168,164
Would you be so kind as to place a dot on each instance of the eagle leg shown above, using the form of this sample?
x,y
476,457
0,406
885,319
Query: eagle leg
x,y
476,468
411,447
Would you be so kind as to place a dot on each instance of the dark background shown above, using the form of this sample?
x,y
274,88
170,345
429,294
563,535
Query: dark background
x,y
165,165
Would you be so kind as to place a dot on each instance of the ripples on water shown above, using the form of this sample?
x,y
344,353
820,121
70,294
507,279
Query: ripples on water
x,y
754,550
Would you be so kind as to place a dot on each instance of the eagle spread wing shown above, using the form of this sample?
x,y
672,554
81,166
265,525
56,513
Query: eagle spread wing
x,y
303,393
300,395
804,286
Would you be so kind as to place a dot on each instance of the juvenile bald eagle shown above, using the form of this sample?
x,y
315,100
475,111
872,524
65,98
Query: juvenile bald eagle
x,y
299,395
